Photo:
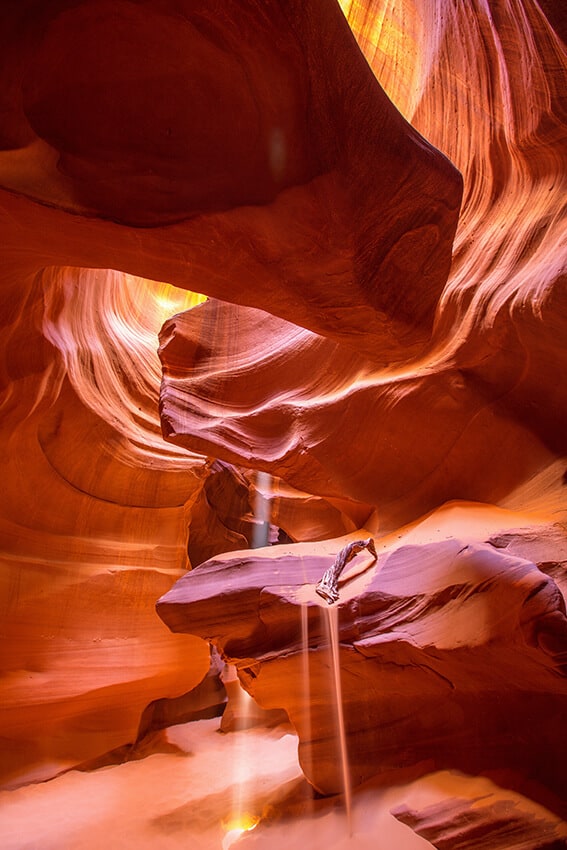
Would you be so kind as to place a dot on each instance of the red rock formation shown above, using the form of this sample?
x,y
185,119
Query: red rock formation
x,y
309,206
500,71
491,411
222,366
236,510
252,156
449,654
500,825
91,522
240,161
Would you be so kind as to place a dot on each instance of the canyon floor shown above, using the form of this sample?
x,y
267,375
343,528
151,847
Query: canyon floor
x,y
202,784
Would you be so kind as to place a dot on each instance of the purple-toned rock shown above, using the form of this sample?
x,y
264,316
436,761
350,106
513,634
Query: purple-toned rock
x,y
450,655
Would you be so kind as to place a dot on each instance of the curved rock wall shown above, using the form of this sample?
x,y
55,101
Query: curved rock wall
x,y
92,527
485,389
450,653
253,156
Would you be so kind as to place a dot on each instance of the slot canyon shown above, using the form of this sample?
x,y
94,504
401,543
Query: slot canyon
x,y
283,295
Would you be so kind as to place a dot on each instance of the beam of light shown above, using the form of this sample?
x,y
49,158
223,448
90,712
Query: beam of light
x,y
236,827
262,510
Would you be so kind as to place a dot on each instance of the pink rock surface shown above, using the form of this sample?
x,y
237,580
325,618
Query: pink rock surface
x,y
498,824
240,158
449,655
262,164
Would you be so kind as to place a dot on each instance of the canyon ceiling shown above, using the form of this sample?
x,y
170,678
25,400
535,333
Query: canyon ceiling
x,y
373,201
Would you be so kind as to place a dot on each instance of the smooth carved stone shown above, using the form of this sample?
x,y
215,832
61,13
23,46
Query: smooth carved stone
x,y
487,821
208,699
266,166
349,235
450,656
288,178
218,514
91,528
224,514
505,306
263,393
546,547
83,658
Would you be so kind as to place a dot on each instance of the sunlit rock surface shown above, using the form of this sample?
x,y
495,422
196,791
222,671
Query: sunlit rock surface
x,y
260,163
450,653
500,70
303,191
268,171
491,411
221,367
91,522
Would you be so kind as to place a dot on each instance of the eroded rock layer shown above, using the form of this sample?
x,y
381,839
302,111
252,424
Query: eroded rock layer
x,y
485,393
253,156
92,527
449,655
222,366
296,184
500,825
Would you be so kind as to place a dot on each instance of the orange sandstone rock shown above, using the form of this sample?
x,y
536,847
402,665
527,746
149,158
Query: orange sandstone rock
x,y
250,155
294,183
253,156
450,655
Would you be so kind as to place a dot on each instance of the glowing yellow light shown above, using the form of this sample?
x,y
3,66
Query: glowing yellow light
x,y
170,300
235,827
393,39
242,822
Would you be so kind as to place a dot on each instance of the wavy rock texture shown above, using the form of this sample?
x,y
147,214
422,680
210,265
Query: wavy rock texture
x,y
92,527
303,191
449,656
262,164
221,368
239,161
499,824
485,391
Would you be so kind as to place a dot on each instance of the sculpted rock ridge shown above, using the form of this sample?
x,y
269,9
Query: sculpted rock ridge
x,y
377,230
442,646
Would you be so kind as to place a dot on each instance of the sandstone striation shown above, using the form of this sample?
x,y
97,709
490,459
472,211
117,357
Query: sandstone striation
x,y
220,367
491,411
449,656
382,335
304,192
90,530
499,824
237,161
